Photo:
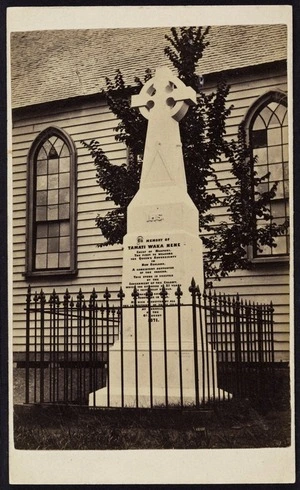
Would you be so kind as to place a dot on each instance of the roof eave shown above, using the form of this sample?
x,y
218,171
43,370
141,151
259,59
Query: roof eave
x,y
208,78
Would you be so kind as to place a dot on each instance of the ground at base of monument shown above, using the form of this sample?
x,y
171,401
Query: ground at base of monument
x,y
231,424
143,400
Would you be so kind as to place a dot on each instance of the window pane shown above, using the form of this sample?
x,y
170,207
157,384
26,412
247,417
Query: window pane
x,y
261,170
63,211
64,196
281,112
264,250
274,136
58,145
52,244
259,138
42,154
64,180
266,114
41,230
274,122
52,140
285,150
53,212
64,260
64,229
274,154
53,166
41,197
64,244
261,154
64,151
276,171
41,167
53,261
41,245
281,243
64,164
52,153
278,209
47,147
53,181
259,124
273,106
41,261
41,213
41,182
53,229
53,197
263,187
279,192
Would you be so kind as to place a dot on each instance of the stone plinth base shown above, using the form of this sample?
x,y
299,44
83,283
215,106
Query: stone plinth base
x,y
165,378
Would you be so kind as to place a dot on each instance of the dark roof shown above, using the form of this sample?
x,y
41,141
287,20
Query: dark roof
x,y
55,65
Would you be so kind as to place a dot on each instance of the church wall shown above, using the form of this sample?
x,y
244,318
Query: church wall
x,y
101,267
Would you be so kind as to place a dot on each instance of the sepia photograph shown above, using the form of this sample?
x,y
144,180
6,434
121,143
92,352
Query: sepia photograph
x,y
150,244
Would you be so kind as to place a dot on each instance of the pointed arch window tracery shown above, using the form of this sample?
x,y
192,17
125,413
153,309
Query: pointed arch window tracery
x,y
51,219
268,136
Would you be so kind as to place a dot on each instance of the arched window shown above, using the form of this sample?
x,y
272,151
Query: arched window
x,y
51,204
268,135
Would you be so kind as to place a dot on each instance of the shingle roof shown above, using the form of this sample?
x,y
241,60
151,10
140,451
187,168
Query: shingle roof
x,y
55,65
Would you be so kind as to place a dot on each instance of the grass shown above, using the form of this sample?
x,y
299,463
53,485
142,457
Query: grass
x,y
231,424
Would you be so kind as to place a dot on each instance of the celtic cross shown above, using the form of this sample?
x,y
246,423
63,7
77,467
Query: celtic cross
x,y
164,101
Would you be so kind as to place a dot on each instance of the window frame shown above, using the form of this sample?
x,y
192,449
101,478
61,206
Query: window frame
x,y
279,96
30,207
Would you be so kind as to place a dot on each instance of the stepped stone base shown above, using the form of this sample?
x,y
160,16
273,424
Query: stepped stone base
x,y
180,383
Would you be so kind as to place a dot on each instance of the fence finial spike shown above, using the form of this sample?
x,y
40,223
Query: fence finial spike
x,y
149,293
135,293
163,293
192,287
121,294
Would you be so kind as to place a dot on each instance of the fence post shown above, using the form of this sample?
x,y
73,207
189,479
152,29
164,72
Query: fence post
x,y
193,291
107,308
35,302
121,295
163,295
79,305
92,361
66,344
261,373
27,370
178,294
42,353
272,332
149,295
202,341
260,334
237,342
135,295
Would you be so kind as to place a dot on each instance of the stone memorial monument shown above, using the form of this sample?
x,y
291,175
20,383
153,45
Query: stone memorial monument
x,y
162,247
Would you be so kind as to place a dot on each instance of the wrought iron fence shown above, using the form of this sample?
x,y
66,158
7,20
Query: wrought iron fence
x,y
73,346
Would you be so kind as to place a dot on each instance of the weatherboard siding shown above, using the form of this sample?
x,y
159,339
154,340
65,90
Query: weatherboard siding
x,y
101,267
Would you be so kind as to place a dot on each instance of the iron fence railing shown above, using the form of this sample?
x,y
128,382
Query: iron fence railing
x,y
69,343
